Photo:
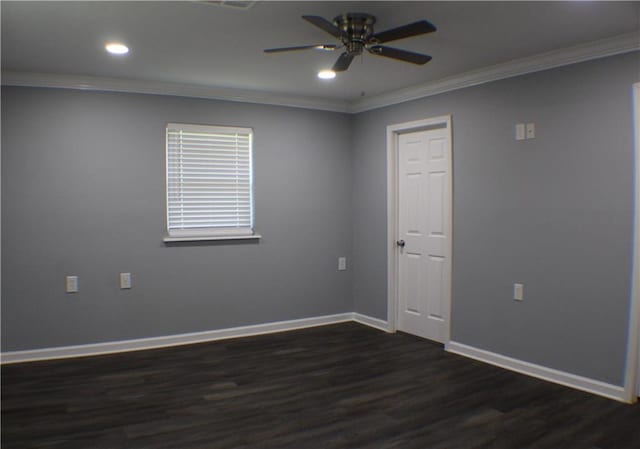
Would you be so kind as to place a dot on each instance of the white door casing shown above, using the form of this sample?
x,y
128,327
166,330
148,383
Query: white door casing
x,y
419,210
632,372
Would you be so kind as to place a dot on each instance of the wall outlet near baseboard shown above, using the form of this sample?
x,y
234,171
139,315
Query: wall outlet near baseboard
x,y
71,284
518,292
125,280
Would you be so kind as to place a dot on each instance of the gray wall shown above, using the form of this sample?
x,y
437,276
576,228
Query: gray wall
x,y
555,213
83,194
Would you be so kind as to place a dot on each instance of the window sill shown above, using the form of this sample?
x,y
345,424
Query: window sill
x,y
199,238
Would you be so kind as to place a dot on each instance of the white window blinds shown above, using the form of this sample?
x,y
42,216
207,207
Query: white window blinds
x,y
209,181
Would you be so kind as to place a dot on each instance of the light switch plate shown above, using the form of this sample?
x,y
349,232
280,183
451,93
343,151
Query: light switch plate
x,y
520,131
342,263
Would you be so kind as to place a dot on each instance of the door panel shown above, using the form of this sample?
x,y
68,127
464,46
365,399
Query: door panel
x,y
413,283
424,214
435,279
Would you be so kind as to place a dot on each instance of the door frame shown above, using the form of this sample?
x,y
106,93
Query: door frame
x,y
393,131
632,374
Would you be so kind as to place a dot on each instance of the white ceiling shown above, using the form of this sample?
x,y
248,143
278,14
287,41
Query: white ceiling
x,y
213,46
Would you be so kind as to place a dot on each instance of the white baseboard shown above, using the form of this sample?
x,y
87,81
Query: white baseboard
x,y
541,372
170,340
183,339
371,322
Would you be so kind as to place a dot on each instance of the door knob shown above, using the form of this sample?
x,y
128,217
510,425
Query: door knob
x,y
400,243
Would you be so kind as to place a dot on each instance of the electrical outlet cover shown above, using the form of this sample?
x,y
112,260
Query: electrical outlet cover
x,y
125,280
71,284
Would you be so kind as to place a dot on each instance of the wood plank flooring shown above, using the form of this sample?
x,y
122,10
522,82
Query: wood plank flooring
x,y
331,387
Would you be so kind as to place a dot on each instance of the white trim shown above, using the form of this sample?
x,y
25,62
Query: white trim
x,y
210,129
392,214
371,322
392,210
90,83
193,238
624,43
541,372
170,340
65,352
632,372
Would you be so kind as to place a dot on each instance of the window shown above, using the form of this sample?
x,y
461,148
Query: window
x,y
209,182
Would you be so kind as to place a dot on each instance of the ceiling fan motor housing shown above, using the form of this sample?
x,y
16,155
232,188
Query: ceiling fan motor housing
x,y
356,30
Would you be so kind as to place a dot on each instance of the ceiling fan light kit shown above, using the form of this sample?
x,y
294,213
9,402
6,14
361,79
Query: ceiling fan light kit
x,y
326,74
356,35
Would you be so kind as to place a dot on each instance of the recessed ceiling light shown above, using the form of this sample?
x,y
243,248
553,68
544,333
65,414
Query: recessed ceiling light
x,y
326,74
116,48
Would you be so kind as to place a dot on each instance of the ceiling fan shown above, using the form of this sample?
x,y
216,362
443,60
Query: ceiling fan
x,y
356,34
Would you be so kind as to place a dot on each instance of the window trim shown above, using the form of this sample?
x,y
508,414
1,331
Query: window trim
x,y
193,238
211,233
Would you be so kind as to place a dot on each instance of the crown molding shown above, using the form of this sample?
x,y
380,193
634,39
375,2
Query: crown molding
x,y
624,43
90,83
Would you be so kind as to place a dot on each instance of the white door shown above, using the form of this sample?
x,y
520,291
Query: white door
x,y
424,240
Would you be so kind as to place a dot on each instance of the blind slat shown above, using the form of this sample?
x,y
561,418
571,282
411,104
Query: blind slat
x,y
214,160
212,223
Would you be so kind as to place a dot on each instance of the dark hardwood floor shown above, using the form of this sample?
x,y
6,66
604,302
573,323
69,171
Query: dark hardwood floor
x,y
341,386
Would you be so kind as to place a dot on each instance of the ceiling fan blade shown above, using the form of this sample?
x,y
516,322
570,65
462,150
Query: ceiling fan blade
x,y
343,62
412,29
402,55
326,47
324,24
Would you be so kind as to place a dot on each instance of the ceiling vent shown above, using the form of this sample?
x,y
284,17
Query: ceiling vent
x,y
235,4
